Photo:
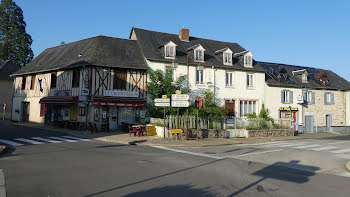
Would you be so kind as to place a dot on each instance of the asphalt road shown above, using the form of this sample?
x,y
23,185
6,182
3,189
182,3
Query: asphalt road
x,y
95,168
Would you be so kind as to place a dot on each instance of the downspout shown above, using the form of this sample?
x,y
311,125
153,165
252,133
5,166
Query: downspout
x,y
214,82
345,102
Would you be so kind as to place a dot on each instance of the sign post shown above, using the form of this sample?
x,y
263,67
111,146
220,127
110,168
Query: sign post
x,y
180,100
199,103
162,102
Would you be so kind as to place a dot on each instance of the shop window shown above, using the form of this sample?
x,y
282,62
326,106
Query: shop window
x,y
53,80
247,107
24,80
82,111
32,83
42,110
76,78
119,82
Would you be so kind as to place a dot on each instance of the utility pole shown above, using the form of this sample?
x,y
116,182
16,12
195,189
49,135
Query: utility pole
x,y
188,91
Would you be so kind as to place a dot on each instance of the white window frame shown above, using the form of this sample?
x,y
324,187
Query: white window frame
x,y
247,108
200,80
248,61
167,51
228,60
308,97
328,98
286,96
196,58
229,82
250,80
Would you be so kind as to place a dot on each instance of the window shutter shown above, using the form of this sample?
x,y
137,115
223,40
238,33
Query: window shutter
x,y
332,98
325,98
291,97
313,97
282,96
304,97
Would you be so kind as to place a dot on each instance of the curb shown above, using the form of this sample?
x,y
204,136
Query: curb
x,y
347,166
2,184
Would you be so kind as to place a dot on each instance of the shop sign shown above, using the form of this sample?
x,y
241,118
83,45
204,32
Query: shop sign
x,y
62,93
288,109
118,104
151,130
176,130
120,93
85,91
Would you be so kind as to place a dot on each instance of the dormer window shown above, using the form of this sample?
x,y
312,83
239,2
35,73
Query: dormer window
x,y
304,78
170,50
228,58
199,55
301,75
248,60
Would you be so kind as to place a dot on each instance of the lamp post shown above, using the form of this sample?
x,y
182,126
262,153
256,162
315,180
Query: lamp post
x,y
188,91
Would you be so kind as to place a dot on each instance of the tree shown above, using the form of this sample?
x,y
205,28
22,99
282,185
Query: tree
x,y
159,85
210,107
14,41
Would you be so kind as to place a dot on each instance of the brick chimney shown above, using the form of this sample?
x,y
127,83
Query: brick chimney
x,y
184,34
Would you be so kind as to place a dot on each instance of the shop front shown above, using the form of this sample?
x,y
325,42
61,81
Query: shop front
x,y
59,108
289,117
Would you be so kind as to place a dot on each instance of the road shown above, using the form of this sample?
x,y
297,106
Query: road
x,y
95,168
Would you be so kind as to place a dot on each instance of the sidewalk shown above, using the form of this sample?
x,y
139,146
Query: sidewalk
x,y
123,137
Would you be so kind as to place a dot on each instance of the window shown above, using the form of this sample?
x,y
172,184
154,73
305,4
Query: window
x,y
309,97
53,80
248,60
199,76
42,110
24,80
328,98
32,83
228,58
230,107
304,78
169,51
250,80
247,107
229,79
286,96
199,55
76,78
119,82
82,111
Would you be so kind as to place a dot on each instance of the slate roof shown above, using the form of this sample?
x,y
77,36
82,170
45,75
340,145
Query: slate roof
x,y
151,42
335,81
7,68
97,51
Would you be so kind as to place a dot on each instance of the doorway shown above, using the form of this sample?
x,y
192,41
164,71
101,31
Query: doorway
x,y
25,111
328,122
113,113
309,124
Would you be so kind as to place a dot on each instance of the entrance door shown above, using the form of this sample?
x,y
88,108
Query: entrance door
x,y
113,118
328,122
309,123
25,111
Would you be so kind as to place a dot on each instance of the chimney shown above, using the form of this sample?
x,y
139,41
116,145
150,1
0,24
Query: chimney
x,y
184,34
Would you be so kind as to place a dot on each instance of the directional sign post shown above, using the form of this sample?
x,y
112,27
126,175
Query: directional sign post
x,y
180,103
180,97
162,102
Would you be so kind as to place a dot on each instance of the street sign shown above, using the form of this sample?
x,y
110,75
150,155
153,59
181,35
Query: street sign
x,y
151,130
180,103
84,91
167,100
162,104
176,130
178,92
180,97
164,96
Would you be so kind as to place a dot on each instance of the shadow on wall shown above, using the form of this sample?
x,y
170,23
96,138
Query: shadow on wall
x,y
178,190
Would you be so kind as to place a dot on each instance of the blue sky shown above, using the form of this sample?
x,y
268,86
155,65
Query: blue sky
x,y
307,33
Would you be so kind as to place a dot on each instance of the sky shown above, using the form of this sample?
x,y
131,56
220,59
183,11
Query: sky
x,y
314,33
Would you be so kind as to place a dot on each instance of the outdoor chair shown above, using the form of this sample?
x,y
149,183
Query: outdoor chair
x,y
132,130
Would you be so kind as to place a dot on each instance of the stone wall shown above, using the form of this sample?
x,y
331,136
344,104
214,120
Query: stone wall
x,y
270,133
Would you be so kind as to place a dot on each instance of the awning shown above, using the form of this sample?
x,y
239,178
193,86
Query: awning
x,y
119,101
59,100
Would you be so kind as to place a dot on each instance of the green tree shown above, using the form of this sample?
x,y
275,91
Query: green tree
x,y
160,84
14,41
210,107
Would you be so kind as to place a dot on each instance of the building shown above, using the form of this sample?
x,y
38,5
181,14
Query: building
x,y
226,68
98,80
6,87
314,99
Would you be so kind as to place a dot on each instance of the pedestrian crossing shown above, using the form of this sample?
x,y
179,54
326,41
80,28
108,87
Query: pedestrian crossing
x,y
40,140
341,147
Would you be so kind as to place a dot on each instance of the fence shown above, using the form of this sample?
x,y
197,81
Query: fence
x,y
223,123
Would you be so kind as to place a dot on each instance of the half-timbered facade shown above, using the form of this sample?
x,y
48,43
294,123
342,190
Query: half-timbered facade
x,y
100,80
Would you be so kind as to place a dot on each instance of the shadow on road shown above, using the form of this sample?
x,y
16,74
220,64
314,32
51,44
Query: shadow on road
x,y
7,152
176,191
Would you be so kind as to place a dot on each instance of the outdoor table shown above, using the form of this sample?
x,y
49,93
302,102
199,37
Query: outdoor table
x,y
141,130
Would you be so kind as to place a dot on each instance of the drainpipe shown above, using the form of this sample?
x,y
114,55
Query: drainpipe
x,y
345,102
214,82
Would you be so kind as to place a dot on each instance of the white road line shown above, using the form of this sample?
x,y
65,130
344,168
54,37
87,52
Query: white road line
x,y
188,152
45,140
324,148
341,151
62,139
265,143
338,142
75,138
10,142
308,146
28,141
242,155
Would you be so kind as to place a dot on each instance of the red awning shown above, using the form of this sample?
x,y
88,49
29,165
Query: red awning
x,y
119,101
59,100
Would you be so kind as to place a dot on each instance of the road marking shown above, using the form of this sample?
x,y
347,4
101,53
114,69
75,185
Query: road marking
x,y
308,146
46,140
62,139
188,152
242,155
10,142
262,143
324,148
338,142
75,138
28,141
341,151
